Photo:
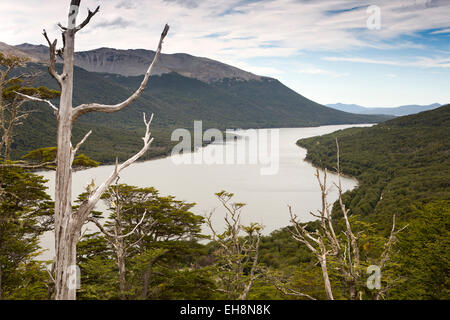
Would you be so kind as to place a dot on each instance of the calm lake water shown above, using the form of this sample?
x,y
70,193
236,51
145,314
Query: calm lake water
x,y
267,196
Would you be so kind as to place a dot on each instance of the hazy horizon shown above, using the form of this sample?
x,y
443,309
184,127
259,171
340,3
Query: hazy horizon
x,y
324,50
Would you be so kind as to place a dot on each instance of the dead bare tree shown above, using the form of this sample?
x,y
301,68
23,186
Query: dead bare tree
x,y
325,244
14,82
9,110
237,255
68,224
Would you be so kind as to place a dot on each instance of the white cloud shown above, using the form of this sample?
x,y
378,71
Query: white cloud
x,y
319,71
441,31
250,28
425,62
244,33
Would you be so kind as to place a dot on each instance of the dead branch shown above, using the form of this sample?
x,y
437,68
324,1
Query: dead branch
x,y
89,205
75,150
55,109
95,107
280,286
385,255
27,166
52,61
100,226
61,26
88,19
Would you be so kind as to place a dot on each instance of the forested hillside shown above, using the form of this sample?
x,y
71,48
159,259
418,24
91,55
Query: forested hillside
x,y
403,166
176,102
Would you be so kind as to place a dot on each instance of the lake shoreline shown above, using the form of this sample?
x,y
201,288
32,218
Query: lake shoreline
x,y
205,144
266,196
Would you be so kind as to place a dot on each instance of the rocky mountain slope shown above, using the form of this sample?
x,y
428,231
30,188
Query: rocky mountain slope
x,y
136,62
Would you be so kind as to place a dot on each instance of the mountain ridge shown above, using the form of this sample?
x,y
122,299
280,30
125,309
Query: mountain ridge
x,y
135,62
176,101
395,111
184,89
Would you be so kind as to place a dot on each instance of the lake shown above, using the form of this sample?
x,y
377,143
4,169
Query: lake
x,y
292,182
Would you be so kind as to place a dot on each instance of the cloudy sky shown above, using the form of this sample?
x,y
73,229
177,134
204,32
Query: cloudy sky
x,y
373,53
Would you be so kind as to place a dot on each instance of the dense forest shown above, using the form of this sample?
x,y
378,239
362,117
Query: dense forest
x,y
403,167
152,247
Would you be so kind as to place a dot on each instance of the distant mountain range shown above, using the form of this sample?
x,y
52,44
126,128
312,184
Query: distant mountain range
x,y
397,111
184,88
136,62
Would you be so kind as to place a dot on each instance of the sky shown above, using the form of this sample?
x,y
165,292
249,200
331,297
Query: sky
x,y
377,53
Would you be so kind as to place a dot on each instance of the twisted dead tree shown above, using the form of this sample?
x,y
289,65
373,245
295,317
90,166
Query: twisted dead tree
x,y
238,256
68,224
326,245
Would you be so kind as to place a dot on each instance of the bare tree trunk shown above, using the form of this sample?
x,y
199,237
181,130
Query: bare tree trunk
x,y
8,125
7,138
65,235
326,278
67,224
249,284
122,270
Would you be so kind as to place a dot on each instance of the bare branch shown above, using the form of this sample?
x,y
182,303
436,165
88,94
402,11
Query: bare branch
x,y
61,26
55,109
82,235
52,61
100,226
280,286
88,19
143,236
74,151
27,166
87,206
136,242
92,107
248,286
135,227
50,275
60,52
385,255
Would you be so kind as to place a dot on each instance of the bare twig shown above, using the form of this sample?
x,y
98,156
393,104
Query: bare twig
x,y
88,19
75,150
88,205
52,61
55,109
